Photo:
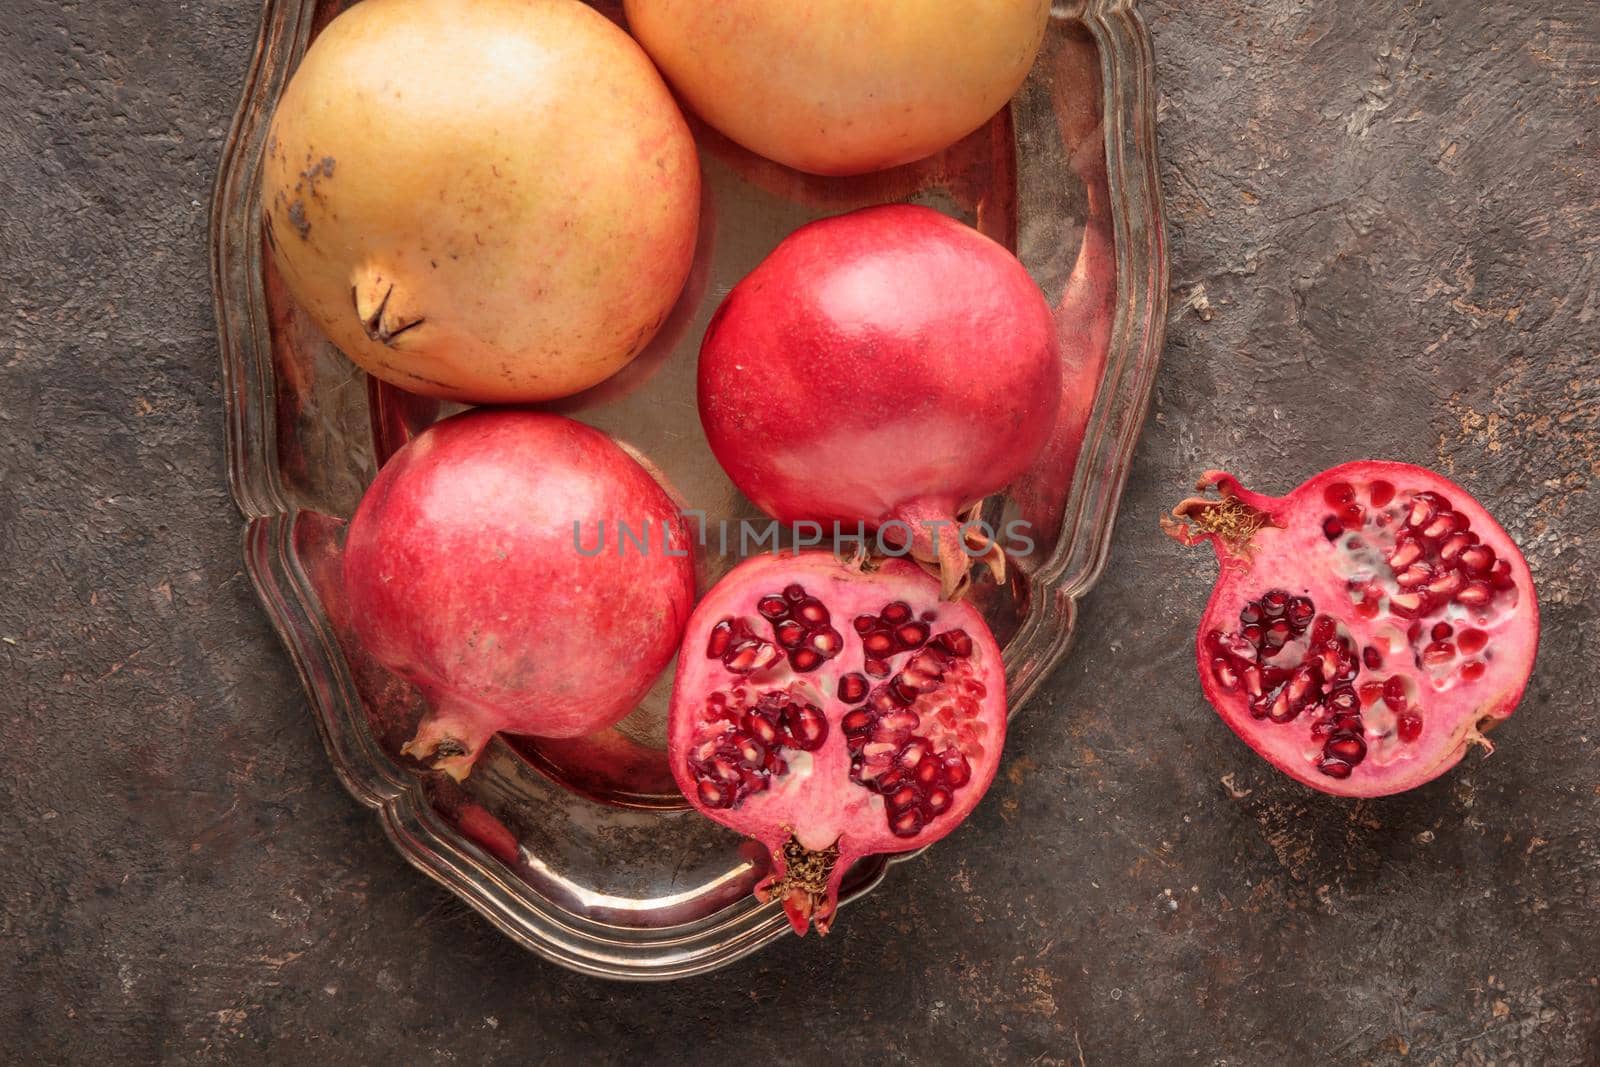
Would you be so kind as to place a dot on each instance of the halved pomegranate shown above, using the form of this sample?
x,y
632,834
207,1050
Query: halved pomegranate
x,y
1366,628
833,712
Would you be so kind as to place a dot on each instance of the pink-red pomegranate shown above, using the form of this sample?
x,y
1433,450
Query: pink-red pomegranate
x,y
833,712
524,572
890,367
1366,628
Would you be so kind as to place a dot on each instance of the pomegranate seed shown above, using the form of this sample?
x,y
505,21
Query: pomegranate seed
x,y
1475,594
852,688
957,771
1250,613
901,719
1447,584
1343,701
1226,676
1337,494
907,824
1371,693
1252,680
1367,609
1477,559
929,771
956,642
812,612
1407,605
721,635
772,607
1324,630
1394,694
1372,657
1353,515
1454,546
1381,492
1347,747
877,668
1409,726
937,802
1441,630
1413,576
1406,552
911,635
1471,641
1439,653
896,613
1299,612
805,659
1471,672
1303,681
1444,524
905,797
1273,603
865,624
1282,709
912,754
878,644
807,726
1500,575
827,642
750,657
713,795
1422,511
789,633
1280,631
1252,634
759,728
1332,528
751,752
795,593
1334,768
858,721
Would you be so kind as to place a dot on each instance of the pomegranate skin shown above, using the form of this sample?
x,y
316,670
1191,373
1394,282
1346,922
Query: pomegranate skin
x,y
887,364
838,86
492,202
817,808
1287,544
464,577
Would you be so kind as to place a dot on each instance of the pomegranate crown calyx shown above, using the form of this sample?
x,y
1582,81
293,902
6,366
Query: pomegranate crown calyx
x,y
1229,521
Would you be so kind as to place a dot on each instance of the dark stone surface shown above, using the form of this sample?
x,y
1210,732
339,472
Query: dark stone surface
x,y
1384,227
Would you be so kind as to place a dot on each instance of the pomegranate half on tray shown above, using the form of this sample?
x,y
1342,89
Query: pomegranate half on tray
x,y
584,850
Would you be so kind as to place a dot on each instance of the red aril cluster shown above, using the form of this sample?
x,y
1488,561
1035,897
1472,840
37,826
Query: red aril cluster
x,y
1366,627
830,743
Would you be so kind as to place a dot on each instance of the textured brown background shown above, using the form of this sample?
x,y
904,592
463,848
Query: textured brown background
x,y
1384,240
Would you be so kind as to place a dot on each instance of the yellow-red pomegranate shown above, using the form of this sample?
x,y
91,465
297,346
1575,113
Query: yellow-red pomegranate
x,y
1366,628
842,86
489,566
492,201
832,713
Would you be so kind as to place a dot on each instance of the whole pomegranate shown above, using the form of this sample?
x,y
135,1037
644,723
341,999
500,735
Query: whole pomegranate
x,y
487,566
890,365
839,86
832,712
1366,628
493,201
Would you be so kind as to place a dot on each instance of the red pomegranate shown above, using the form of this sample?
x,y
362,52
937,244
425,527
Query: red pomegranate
x,y
890,366
834,712
488,565
1366,628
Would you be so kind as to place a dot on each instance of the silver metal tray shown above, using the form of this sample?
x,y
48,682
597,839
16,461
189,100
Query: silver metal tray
x,y
584,851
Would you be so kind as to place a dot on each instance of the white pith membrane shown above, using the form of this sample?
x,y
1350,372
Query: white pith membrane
x,y
1363,634
902,714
